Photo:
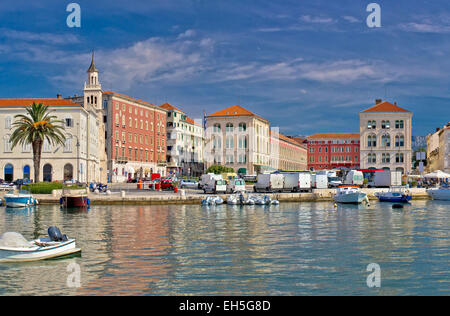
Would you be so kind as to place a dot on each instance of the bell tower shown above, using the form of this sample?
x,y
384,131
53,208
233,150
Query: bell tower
x,y
93,88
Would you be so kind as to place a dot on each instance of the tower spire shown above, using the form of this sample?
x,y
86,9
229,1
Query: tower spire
x,y
92,68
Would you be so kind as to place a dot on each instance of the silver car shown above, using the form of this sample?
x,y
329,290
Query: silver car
x,y
189,184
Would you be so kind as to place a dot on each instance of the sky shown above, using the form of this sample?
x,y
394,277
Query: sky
x,y
307,66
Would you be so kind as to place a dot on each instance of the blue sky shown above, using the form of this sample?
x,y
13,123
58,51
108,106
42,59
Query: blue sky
x,y
307,66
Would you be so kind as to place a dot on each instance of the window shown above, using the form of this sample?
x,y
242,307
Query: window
x,y
217,128
229,142
386,158
372,141
46,148
399,158
372,158
372,124
68,145
399,141
399,124
68,121
385,124
7,144
242,127
386,140
242,142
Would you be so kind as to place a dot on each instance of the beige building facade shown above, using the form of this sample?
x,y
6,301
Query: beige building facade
x,y
78,159
438,150
385,131
239,139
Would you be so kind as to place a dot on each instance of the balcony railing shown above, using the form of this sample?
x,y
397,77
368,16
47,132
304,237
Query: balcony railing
x,y
122,160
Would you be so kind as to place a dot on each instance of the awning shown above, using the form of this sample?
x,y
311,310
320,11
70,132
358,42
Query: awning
x,y
438,175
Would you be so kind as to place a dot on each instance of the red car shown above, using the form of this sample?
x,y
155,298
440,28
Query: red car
x,y
167,185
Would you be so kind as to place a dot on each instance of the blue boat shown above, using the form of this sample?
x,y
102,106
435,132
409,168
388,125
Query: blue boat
x,y
394,196
19,199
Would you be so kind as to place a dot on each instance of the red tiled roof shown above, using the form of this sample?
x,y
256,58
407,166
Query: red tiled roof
x,y
334,136
128,97
234,110
385,107
287,139
169,107
28,102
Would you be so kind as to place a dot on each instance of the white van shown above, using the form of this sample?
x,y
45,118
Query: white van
x,y
269,182
236,185
206,178
215,186
355,177
297,182
319,181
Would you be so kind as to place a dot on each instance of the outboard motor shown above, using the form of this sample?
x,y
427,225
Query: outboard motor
x,y
55,234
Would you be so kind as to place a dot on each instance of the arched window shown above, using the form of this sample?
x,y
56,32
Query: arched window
x,y
372,140
27,172
47,172
242,127
229,128
68,172
9,173
386,140
217,128
386,158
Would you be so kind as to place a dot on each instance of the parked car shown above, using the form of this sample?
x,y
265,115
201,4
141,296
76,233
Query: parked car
x,y
236,185
269,182
207,178
188,183
167,185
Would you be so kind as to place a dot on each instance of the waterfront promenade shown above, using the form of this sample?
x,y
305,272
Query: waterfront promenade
x,y
193,197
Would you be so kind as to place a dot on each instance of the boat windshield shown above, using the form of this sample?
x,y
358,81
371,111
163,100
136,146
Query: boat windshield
x,y
18,192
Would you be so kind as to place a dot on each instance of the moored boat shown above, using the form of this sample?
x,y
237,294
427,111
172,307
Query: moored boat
x,y
396,195
350,194
76,198
442,193
20,198
15,248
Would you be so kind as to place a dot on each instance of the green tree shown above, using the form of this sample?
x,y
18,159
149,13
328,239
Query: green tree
x,y
34,128
217,169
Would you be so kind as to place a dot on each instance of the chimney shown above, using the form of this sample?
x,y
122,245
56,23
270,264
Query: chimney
x,y
58,96
395,103
378,101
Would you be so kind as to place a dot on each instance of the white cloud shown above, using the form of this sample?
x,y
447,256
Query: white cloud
x,y
316,19
187,34
351,19
425,28
47,38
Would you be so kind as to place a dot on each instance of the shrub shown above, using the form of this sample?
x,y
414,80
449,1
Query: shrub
x,y
47,187
217,169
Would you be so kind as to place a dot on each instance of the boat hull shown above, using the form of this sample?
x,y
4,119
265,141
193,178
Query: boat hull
x,y
75,201
400,199
38,253
351,198
19,201
440,194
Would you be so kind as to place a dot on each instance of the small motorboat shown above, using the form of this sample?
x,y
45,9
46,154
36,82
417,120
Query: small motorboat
x,y
212,200
442,193
396,195
74,198
15,248
20,198
350,194
233,199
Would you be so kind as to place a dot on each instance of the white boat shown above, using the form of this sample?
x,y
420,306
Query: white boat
x,y
442,193
19,199
350,194
233,199
15,248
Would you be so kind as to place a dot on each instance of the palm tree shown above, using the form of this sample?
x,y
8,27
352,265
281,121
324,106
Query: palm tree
x,y
34,128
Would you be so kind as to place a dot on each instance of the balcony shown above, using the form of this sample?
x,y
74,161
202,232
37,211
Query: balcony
x,y
162,163
121,160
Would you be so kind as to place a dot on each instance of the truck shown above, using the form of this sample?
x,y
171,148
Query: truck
x,y
269,182
355,177
319,181
215,186
297,182
386,179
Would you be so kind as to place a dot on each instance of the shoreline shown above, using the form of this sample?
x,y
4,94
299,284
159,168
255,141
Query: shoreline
x,y
318,195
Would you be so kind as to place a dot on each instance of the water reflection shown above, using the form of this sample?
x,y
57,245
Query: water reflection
x,y
290,249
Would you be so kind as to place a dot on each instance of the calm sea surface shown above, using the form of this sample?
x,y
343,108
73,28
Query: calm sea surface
x,y
290,249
